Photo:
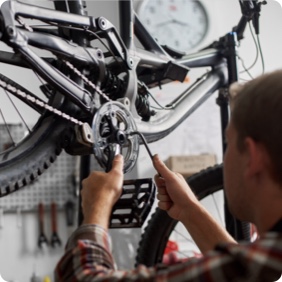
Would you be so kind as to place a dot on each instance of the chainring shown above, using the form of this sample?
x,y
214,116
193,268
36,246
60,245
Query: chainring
x,y
111,126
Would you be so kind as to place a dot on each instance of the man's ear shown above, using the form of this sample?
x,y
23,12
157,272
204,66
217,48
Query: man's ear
x,y
255,157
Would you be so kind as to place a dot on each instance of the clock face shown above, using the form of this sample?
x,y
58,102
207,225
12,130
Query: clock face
x,y
179,24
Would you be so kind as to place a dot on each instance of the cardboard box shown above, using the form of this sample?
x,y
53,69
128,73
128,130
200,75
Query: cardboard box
x,y
188,165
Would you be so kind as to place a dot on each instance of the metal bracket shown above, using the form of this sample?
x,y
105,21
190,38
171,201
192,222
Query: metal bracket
x,y
84,134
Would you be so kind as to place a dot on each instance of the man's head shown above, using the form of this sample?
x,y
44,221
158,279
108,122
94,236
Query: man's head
x,y
254,137
257,113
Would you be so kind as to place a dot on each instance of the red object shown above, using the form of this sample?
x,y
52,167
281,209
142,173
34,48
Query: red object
x,y
171,246
170,253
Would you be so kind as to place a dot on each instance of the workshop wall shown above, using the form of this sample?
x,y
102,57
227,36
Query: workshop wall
x,y
200,133
20,255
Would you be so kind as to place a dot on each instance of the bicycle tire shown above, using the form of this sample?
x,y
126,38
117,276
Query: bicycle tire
x,y
21,164
156,234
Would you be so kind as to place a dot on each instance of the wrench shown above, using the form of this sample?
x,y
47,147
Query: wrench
x,y
42,238
55,240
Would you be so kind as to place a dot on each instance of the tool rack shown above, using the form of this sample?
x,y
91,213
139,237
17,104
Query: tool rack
x,y
57,184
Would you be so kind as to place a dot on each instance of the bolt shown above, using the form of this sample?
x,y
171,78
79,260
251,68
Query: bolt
x,y
102,23
121,137
11,31
99,54
126,102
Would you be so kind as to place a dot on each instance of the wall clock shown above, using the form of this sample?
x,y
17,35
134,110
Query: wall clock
x,y
179,24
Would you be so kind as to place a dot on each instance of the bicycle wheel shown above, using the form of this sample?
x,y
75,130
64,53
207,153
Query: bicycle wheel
x,y
166,239
31,136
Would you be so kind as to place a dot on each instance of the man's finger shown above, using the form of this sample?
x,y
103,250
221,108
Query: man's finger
x,y
161,167
159,181
162,190
117,163
163,198
164,205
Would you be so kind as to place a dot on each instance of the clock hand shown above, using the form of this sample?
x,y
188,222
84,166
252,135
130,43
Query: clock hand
x,y
171,22
164,23
180,22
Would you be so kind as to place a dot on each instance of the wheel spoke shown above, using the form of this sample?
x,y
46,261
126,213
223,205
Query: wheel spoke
x,y
183,236
30,104
18,112
219,214
7,128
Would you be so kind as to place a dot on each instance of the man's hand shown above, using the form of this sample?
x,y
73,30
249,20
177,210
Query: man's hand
x,y
174,194
176,197
100,192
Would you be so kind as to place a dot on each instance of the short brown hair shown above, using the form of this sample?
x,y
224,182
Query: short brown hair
x,y
257,113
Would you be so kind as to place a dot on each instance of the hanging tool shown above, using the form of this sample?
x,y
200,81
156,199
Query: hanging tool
x,y
42,240
1,217
70,214
35,278
19,218
55,240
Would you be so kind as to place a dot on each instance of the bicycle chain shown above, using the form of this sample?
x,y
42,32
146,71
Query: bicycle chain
x,y
38,102
47,107
86,80
85,134
42,104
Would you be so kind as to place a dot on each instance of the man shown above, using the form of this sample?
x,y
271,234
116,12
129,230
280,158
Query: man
x,y
253,183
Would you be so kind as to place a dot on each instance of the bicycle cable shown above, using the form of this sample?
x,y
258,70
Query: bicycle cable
x,y
80,29
258,52
161,106
247,69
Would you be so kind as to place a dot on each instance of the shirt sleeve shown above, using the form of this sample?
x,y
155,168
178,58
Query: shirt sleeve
x,y
87,251
88,258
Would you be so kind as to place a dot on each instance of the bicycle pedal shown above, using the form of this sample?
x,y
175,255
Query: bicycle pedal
x,y
134,205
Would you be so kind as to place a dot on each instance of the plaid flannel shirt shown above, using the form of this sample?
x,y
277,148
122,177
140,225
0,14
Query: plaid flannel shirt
x,y
88,258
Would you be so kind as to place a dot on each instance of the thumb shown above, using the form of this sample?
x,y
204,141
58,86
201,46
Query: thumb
x,y
161,168
117,163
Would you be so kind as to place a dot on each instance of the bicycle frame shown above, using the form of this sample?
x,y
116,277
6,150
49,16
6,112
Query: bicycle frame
x,y
160,125
223,64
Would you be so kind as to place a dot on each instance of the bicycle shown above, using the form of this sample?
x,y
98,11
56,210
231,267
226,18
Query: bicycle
x,y
96,100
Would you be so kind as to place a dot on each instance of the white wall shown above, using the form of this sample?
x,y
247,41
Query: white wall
x,y
199,134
